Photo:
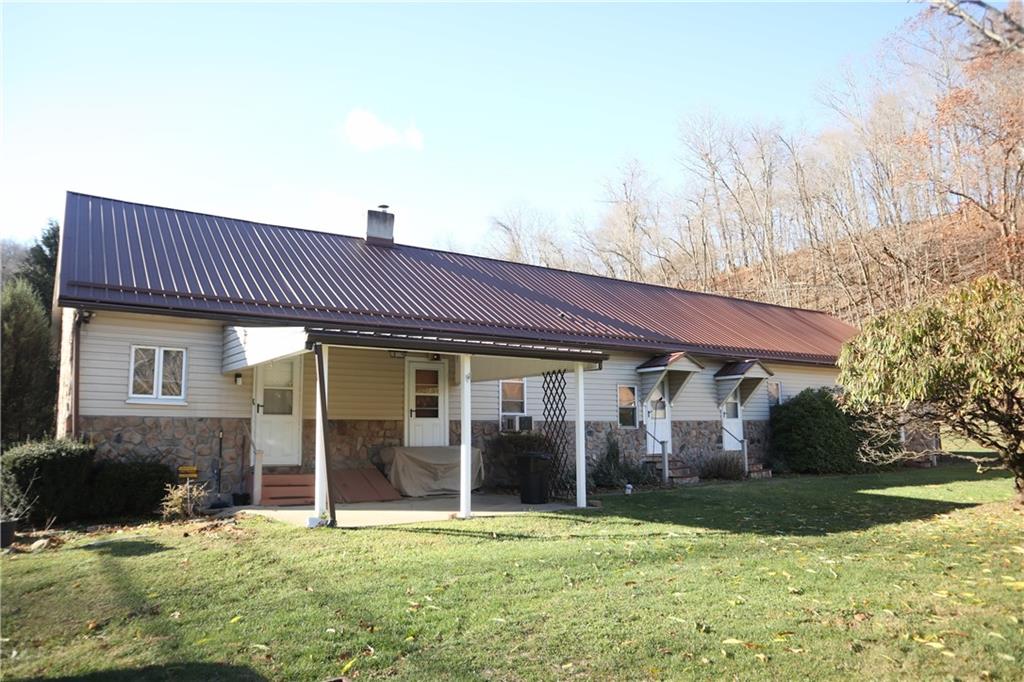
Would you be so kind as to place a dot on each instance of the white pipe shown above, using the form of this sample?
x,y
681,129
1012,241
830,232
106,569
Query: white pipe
x,y
581,441
664,461
257,477
465,436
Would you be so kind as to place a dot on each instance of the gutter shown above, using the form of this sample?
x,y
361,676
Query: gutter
x,y
76,332
604,344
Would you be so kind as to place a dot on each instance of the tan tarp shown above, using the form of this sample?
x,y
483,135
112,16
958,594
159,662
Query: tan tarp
x,y
416,472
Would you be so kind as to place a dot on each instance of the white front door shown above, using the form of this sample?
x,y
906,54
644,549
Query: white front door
x,y
277,419
426,389
658,420
732,423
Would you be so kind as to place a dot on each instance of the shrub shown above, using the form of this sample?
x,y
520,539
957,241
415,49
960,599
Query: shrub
x,y
810,434
132,488
15,503
183,501
58,472
611,471
512,444
722,465
503,450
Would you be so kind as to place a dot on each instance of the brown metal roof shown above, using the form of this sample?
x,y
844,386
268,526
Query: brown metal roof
x,y
117,254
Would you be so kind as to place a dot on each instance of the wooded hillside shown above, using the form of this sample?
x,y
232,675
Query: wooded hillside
x,y
918,184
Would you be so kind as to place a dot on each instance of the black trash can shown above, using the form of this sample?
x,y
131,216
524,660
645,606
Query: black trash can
x,y
533,476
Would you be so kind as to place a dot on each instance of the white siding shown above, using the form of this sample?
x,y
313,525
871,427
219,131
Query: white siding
x,y
105,358
698,400
364,384
367,383
248,346
794,378
599,388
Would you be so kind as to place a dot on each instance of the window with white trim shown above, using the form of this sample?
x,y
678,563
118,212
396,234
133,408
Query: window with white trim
x,y
774,393
512,394
157,373
627,405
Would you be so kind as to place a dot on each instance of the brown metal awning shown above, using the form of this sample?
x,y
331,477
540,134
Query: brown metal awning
x,y
744,376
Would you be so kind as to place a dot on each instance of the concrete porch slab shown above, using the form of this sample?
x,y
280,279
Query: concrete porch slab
x,y
405,510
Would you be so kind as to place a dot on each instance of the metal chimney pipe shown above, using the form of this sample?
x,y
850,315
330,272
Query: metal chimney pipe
x,y
380,227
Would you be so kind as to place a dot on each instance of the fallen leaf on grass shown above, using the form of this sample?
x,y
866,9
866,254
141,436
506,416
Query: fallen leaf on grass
x,y
235,619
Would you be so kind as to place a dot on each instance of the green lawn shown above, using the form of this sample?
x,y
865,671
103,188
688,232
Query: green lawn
x,y
915,574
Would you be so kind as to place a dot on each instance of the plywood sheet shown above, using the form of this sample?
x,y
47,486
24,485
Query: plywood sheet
x,y
361,485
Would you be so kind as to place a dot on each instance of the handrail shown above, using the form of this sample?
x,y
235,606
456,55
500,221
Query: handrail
x,y
743,447
664,455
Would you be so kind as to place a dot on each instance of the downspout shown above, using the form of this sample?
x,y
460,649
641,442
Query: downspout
x,y
80,319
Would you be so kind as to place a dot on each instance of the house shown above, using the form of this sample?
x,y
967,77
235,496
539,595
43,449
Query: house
x,y
208,340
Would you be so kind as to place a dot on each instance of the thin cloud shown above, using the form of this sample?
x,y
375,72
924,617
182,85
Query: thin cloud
x,y
364,131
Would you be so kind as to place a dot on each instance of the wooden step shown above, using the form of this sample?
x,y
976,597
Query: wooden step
x,y
287,490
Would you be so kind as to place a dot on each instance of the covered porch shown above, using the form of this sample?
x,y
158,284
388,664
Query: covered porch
x,y
309,382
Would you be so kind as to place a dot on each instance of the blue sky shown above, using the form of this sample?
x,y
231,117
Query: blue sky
x,y
306,115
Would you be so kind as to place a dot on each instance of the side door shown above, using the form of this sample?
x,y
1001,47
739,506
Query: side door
x,y
426,386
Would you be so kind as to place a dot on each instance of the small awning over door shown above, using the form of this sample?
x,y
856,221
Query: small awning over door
x,y
745,377
678,368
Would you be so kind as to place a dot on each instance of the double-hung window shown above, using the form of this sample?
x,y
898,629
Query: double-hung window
x,y
157,373
627,405
512,397
774,393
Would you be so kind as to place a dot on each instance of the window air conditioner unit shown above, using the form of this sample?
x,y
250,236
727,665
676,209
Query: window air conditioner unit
x,y
517,423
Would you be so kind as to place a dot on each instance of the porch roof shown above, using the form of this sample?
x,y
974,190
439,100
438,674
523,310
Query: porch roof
x,y
449,343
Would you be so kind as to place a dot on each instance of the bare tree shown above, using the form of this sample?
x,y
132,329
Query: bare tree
x,y
918,184
998,28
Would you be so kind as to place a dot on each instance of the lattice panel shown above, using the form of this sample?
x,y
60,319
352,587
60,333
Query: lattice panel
x,y
563,477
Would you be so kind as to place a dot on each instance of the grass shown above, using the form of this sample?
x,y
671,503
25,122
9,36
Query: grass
x,y
915,574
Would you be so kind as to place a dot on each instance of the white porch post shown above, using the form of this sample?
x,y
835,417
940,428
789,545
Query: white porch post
x,y
465,437
320,500
581,441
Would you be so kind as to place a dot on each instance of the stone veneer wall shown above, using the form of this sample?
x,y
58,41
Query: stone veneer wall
x,y
177,441
695,441
498,472
356,443
501,472
352,444
632,441
192,441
